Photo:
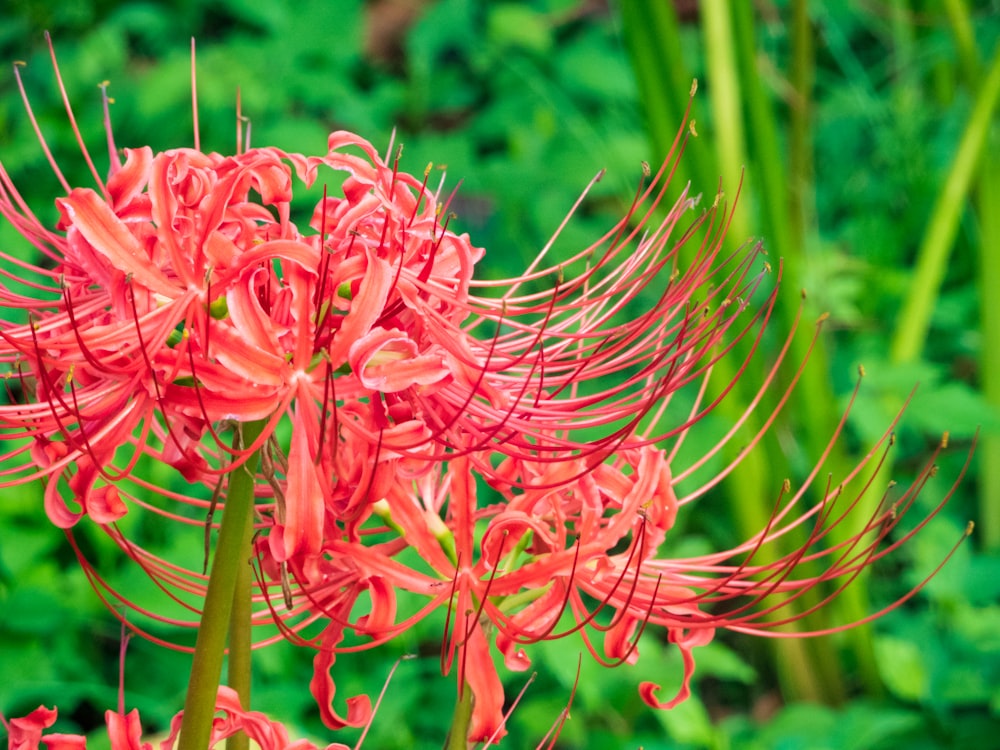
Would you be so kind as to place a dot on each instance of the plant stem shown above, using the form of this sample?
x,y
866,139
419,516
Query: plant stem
x,y
240,638
932,258
232,554
458,735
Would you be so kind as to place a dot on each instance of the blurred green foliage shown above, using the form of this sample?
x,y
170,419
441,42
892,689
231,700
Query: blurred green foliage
x,y
524,102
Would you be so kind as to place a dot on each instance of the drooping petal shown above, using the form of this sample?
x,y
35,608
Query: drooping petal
x,y
487,690
324,689
303,526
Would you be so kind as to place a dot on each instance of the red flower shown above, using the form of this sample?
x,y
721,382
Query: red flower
x,y
125,730
184,298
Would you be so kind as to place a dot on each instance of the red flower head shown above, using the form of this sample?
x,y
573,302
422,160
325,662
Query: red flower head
x,y
521,437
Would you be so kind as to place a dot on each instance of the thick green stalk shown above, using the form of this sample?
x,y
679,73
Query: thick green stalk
x,y
960,22
988,523
903,42
801,199
807,669
232,554
785,196
932,257
240,640
651,33
987,200
820,399
727,117
654,40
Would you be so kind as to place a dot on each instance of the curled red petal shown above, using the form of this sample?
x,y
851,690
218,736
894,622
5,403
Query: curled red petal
x,y
25,733
685,641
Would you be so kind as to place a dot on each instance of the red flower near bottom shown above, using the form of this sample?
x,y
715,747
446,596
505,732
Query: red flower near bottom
x,y
125,730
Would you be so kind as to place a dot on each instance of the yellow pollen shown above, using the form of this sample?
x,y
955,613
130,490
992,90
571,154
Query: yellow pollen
x,y
384,357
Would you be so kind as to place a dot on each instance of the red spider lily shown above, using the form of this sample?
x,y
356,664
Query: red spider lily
x,y
180,297
125,730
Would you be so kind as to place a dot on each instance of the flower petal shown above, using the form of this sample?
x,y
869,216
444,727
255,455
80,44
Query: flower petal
x,y
389,361
90,215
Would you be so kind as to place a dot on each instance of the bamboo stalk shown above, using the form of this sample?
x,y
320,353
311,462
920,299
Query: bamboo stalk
x,y
938,240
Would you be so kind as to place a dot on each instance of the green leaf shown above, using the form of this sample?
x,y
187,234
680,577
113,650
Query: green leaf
x,y
903,667
511,25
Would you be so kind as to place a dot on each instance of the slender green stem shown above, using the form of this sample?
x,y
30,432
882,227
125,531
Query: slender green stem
x,y
724,90
231,555
988,522
458,735
960,21
932,258
651,33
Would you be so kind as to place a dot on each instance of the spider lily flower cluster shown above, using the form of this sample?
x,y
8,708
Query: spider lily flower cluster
x,y
522,437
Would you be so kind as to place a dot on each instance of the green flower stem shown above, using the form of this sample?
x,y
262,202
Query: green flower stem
x,y
232,556
458,735
240,638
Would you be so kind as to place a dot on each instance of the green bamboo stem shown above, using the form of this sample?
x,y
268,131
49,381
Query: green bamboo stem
x,y
787,200
807,670
987,200
728,135
652,36
903,41
965,39
988,522
935,247
789,216
231,555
